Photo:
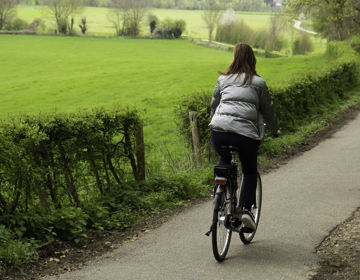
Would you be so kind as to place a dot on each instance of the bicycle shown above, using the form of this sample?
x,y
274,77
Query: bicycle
x,y
228,207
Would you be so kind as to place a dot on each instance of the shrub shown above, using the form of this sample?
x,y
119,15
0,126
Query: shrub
x,y
14,252
237,31
164,29
260,39
83,26
355,43
169,28
36,25
16,24
302,44
69,223
178,28
234,32
50,160
276,43
265,40
29,225
152,21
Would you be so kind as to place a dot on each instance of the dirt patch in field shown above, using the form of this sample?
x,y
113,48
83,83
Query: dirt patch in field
x,y
339,252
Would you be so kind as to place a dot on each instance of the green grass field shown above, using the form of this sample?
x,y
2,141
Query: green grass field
x,y
99,23
64,74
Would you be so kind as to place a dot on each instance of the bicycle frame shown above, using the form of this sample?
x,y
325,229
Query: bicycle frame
x,y
228,208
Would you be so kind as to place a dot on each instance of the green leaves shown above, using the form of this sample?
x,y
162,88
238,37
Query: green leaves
x,y
50,160
14,252
70,223
333,19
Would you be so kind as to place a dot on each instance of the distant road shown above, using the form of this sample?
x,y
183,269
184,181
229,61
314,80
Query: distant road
x,y
297,25
303,201
219,43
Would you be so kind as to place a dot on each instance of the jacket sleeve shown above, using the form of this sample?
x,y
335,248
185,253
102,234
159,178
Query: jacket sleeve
x,y
267,110
215,101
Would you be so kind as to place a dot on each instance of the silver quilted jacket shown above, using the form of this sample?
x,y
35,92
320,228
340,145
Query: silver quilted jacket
x,y
242,109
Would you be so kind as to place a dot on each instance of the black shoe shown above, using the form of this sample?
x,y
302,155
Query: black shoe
x,y
248,220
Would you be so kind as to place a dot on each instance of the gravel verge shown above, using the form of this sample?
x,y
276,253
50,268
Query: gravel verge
x,y
340,252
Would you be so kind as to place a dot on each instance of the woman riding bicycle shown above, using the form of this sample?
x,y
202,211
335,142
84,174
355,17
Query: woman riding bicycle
x,y
240,105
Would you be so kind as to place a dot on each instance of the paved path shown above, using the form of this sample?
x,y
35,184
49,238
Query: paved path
x,y
297,25
303,201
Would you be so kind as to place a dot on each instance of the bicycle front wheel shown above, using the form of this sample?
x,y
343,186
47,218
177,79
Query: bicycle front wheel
x,y
221,235
246,237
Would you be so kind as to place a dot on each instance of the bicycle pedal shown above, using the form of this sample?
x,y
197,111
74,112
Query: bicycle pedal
x,y
247,230
235,223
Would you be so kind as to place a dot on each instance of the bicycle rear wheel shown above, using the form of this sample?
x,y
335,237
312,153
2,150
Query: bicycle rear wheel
x,y
246,237
221,236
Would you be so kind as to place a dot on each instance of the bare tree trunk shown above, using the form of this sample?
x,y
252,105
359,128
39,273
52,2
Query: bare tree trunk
x,y
95,170
129,153
140,153
52,191
15,203
107,177
112,169
210,34
69,178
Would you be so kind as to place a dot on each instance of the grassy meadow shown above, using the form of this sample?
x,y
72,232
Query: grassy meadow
x,y
42,74
59,73
99,22
98,19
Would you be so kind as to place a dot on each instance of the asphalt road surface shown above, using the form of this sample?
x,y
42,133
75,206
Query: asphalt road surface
x,y
303,201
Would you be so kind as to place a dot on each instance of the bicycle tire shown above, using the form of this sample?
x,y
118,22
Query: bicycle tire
x,y
221,236
245,237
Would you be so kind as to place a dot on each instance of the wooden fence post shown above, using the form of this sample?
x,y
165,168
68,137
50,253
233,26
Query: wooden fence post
x,y
195,137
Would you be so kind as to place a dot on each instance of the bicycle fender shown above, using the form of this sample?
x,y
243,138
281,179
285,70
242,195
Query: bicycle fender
x,y
216,202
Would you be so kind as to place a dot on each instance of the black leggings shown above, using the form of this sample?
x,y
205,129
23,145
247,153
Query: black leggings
x,y
248,151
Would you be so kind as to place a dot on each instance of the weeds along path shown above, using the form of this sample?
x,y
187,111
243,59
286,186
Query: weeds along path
x,y
302,201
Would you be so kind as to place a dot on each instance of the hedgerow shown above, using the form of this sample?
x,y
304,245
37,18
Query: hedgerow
x,y
64,174
50,160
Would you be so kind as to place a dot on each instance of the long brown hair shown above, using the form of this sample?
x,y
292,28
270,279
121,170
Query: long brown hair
x,y
244,62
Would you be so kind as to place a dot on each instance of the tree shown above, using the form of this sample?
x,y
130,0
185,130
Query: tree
x,y
7,11
64,12
169,28
178,28
302,44
153,21
83,25
278,23
333,19
127,16
211,15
